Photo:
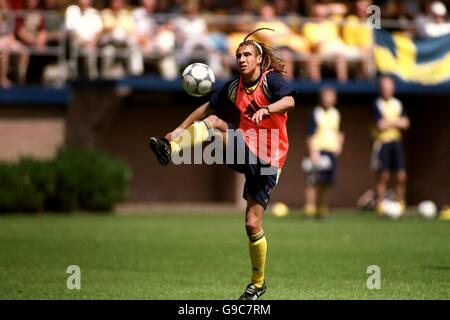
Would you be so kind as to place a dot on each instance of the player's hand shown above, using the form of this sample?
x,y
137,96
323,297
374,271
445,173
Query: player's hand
x,y
260,115
315,157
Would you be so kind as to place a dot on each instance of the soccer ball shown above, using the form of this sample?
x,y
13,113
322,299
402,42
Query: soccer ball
x,y
279,209
427,209
198,79
392,209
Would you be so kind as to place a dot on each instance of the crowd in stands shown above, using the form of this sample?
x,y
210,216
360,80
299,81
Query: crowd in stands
x,y
50,41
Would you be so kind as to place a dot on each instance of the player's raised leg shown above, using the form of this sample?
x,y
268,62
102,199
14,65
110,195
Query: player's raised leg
x,y
179,139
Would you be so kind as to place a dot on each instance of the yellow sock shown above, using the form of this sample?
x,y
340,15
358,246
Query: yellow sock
x,y
403,205
196,134
324,210
258,251
310,210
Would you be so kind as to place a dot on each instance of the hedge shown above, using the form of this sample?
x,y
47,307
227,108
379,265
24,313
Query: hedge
x,y
76,179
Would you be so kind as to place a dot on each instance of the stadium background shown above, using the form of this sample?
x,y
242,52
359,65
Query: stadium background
x,y
181,234
118,116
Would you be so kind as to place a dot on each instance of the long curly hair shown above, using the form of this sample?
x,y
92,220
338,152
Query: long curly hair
x,y
270,61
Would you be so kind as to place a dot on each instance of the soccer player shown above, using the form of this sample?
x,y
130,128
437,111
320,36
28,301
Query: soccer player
x,y
261,98
325,141
390,119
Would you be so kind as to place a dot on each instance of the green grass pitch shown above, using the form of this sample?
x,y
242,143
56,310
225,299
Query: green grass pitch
x,y
205,256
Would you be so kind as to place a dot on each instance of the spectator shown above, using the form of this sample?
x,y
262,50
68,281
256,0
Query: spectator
x,y
242,26
323,35
8,45
155,39
290,46
32,32
434,23
120,36
84,25
16,4
192,38
31,28
54,22
358,34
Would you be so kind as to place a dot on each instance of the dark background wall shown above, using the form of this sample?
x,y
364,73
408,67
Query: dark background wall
x,y
141,115
121,122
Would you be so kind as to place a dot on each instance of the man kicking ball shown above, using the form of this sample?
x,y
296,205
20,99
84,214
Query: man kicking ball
x,y
261,97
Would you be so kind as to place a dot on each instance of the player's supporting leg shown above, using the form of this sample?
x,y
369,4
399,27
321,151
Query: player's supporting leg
x,y
257,249
400,187
310,200
383,179
323,191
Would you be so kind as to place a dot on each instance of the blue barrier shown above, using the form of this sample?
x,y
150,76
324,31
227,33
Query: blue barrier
x,y
62,96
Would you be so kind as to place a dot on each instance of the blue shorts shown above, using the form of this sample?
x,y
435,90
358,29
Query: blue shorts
x,y
328,177
391,157
260,177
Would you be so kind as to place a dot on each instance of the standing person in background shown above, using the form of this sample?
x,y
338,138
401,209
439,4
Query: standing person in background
x,y
325,141
388,157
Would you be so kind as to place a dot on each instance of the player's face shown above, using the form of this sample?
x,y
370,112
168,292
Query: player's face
x,y
387,87
328,98
247,60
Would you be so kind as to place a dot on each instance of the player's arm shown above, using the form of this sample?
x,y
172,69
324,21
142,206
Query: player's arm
x,y
381,123
403,123
198,114
400,123
285,104
341,138
313,152
282,97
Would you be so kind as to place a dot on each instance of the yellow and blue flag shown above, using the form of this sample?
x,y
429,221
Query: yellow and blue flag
x,y
422,61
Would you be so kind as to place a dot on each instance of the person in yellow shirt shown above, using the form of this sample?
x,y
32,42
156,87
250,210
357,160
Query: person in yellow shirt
x,y
326,43
325,141
289,45
388,158
119,39
358,35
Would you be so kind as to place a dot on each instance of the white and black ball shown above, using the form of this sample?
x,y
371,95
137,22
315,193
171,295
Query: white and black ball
x,y
198,79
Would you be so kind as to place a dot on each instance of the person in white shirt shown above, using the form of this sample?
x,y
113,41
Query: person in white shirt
x,y
193,39
435,23
84,24
156,39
